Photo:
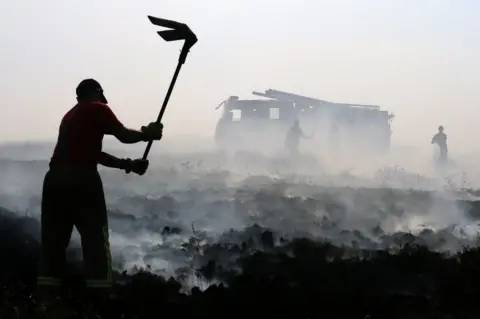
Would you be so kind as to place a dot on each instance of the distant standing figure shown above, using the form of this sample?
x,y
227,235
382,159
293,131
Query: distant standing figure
x,y
440,139
292,140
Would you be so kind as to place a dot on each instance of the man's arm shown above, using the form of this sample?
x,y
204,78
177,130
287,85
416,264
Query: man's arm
x,y
127,135
151,132
138,166
108,160
112,126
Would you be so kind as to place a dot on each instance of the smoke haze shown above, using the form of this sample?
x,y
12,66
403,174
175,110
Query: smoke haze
x,y
416,59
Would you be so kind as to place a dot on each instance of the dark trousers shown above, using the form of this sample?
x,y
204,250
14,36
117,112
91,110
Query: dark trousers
x,y
74,197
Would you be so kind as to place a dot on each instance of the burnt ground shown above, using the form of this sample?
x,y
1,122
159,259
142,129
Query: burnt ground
x,y
298,279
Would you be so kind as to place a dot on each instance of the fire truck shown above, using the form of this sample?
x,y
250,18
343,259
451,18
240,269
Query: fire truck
x,y
261,124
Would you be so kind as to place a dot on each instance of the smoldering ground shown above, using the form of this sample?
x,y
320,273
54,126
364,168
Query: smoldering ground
x,y
188,203
280,234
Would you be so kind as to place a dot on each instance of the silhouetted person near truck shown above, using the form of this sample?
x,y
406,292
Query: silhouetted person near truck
x,y
292,140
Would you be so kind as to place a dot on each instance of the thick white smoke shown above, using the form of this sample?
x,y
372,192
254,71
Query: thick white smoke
x,y
206,195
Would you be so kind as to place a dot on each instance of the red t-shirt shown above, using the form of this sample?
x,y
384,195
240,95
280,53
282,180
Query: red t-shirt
x,y
81,134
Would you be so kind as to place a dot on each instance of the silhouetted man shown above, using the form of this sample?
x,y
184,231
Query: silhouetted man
x,y
72,189
292,140
440,139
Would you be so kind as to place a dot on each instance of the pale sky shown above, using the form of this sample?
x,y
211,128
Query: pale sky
x,y
415,58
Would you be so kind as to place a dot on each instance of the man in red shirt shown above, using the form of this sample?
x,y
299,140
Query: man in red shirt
x,y
72,189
